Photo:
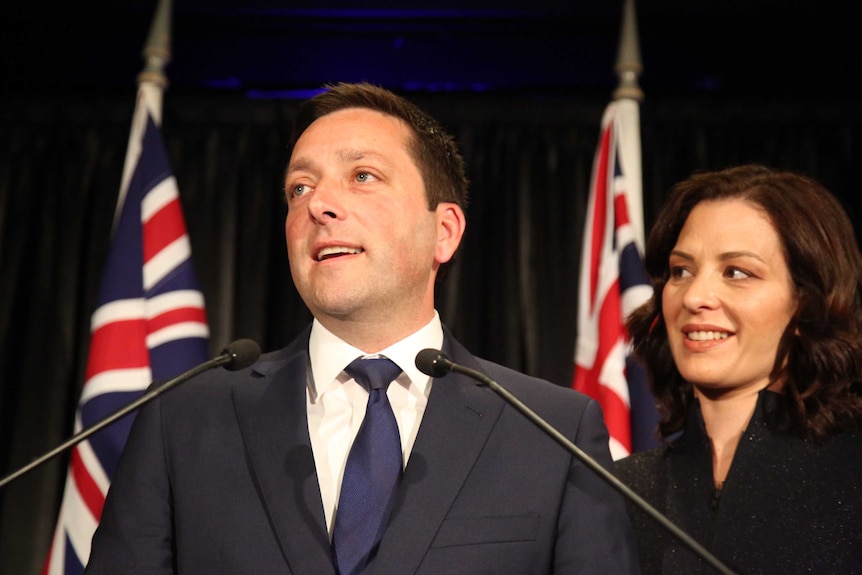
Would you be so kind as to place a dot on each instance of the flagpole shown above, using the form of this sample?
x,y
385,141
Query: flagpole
x,y
628,66
152,82
149,321
626,121
157,50
613,281
629,95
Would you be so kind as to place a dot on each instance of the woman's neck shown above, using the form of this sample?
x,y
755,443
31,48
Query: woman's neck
x,y
725,419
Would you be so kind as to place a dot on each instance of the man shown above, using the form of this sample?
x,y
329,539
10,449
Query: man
x,y
242,472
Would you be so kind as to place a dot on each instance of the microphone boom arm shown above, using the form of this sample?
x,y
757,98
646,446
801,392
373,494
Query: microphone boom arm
x,y
234,356
448,365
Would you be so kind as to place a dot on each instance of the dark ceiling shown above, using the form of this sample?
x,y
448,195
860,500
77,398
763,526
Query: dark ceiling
x,y
758,48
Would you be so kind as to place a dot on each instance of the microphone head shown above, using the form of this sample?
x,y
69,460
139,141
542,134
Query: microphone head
x,y
433,362
242,352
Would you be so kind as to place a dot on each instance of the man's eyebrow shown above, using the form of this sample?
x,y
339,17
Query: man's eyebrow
x,y
348,155
352,155
299,164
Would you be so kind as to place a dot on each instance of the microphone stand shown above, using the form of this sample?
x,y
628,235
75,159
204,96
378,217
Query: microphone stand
x,y
241,352
591,463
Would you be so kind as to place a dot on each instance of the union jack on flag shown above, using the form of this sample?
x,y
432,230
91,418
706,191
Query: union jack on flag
x,y
149,325
613,282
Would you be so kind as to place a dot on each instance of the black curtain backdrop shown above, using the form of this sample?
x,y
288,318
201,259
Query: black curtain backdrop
x,y
511,295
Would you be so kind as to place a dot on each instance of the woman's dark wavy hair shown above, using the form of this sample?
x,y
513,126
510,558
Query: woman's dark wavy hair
x,y
434,150
820,353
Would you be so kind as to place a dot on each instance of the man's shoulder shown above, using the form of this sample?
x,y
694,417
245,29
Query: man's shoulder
x,y
521,383
525,387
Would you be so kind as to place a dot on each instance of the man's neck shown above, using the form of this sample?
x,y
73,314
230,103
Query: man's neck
x,y
373,336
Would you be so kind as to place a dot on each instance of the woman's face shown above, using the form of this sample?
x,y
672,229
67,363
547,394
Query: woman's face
x,y
729,298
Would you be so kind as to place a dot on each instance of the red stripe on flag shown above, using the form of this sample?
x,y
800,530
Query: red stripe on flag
x,y
600,213
87,488
610,323
175,316
615,411
611,333
118,345
47,564
621,210
163,228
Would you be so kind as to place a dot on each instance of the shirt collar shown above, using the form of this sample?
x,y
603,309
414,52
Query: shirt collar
x,y
329,354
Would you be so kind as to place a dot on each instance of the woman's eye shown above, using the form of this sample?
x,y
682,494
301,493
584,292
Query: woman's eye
x,y
364,177
678,272
736,274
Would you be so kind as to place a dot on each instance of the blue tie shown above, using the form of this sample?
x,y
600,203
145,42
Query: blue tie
x,y
373,470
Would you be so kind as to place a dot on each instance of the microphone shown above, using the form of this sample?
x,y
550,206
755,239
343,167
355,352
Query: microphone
x,y
241,354
435,363
236,355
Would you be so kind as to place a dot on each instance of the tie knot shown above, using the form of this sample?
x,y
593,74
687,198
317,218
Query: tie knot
x,y
373,373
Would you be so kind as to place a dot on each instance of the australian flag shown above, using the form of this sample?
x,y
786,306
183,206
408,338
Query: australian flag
x,y
149,325
613,282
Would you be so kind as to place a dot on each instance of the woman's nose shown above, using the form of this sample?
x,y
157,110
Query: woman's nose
x,y
700,293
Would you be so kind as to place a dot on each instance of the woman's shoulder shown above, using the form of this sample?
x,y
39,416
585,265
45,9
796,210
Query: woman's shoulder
x,y
640,467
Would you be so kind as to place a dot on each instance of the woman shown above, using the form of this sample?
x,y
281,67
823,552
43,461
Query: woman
x,y
753,344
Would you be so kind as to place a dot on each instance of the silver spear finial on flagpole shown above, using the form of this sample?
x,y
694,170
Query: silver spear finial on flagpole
x,y
628,65
156,54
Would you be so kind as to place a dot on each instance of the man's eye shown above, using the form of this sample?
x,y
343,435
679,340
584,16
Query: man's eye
x,y
299,190
364,177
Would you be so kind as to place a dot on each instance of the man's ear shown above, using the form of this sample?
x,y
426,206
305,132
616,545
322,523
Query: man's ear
x,y
450,229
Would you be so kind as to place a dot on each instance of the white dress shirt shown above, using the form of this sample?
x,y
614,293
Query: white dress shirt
x,y
336,403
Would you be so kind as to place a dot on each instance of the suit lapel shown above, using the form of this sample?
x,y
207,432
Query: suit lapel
x,y
272,416
457,422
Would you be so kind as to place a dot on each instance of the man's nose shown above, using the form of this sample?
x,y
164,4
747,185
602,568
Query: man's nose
x,y
325,202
